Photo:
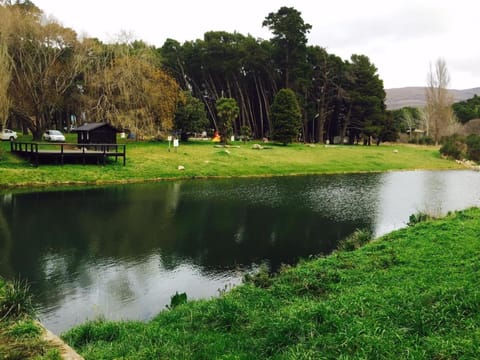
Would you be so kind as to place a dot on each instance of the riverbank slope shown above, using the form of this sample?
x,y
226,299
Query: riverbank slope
x,y
152,161
410,294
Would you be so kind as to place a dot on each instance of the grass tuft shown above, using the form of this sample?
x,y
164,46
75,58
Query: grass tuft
x,y
419,217
177,299
356,240
16,300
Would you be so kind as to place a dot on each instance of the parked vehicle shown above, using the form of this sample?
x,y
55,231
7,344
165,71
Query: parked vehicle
x,y
53,135
7,134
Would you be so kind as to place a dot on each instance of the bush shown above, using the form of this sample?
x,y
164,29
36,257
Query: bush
x,y
454,147
426,140
423,140
473,147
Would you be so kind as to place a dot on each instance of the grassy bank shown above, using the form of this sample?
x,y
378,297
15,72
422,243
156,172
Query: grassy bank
x,y
413,294
150,161
21,337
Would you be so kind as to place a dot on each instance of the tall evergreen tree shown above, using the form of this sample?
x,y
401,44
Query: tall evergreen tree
x,y
367,100
290,43
286,116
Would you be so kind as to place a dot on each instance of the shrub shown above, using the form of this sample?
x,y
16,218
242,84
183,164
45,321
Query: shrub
x,y
423,140
454,147
473,147
426,140
245,133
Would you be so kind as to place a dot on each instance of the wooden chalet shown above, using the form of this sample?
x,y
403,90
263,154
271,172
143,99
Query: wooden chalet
x,y
96,133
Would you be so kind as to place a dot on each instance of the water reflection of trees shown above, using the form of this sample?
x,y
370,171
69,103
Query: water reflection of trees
x,y
216,225
5,246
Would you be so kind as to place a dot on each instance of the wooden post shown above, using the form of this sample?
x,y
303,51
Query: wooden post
x,y
36,152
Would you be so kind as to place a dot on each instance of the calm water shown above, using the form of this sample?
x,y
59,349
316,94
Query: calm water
x,y
121,252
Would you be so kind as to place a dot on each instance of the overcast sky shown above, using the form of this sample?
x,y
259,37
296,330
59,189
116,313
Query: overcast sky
x,y
402,38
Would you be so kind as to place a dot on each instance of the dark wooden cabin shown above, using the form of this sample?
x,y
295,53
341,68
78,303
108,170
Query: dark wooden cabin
x,y
96,133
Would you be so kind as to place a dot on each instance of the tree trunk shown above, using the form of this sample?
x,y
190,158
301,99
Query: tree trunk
x,y
322,114
258,132
265,102
345,125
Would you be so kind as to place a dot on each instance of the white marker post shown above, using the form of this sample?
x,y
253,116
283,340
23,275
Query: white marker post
x,y
175,144
169,141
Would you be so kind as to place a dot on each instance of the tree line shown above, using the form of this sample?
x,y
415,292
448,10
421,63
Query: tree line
x,y
49,77
468,109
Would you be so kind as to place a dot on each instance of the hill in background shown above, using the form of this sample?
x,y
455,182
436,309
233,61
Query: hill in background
x,y
415,96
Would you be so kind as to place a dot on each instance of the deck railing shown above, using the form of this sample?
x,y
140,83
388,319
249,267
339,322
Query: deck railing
x,y
37,151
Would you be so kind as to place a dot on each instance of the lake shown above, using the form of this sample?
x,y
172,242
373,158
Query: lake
x,y
121,252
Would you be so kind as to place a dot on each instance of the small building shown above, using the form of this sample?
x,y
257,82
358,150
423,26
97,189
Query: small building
x,y
96,133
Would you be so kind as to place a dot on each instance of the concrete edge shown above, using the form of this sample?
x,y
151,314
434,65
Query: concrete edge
x,y
66,351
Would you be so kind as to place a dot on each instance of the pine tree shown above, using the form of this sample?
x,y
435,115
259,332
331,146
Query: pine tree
x,y
286,116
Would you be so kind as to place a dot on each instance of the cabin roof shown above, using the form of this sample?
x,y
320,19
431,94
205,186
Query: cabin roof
x,y
93,126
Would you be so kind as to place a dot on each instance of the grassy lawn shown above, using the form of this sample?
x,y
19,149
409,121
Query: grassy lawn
x,y
412,294
150,161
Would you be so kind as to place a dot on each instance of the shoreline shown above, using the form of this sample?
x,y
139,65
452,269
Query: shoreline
x,y
79,184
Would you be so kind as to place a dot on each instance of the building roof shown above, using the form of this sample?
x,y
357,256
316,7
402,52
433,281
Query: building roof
x,y
93,126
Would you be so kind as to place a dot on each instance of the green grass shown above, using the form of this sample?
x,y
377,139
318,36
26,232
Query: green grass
x,y
412,294
151,161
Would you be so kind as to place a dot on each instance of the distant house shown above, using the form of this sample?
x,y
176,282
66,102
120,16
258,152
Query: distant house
x,y
96,133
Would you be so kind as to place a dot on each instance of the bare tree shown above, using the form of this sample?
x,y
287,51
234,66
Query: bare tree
x,y
46,62
439,110
5,70
5,77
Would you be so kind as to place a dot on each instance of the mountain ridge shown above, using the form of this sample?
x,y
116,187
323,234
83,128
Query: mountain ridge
x,y
414,96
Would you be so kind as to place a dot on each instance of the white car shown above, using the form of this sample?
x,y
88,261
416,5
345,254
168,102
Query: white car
x,y
53,135
7,134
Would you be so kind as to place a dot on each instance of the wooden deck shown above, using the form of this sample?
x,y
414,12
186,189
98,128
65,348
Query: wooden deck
x,y
63,153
